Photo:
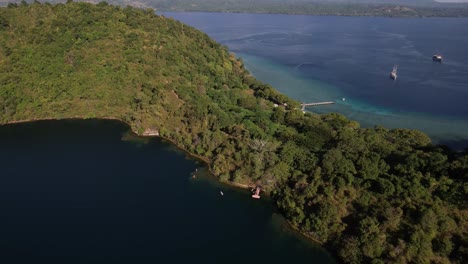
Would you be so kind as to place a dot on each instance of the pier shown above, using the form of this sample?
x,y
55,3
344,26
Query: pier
x,y
303,106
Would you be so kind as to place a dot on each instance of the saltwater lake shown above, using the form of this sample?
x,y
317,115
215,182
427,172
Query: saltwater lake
x,y
90,192
313,58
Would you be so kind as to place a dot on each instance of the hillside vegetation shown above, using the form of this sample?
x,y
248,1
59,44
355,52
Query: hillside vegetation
x,y
369,195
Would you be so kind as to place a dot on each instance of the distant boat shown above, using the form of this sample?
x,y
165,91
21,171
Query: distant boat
x,y
221,192
437,57
394,74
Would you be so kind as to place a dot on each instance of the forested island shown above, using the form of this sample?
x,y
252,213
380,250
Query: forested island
x,y
368,195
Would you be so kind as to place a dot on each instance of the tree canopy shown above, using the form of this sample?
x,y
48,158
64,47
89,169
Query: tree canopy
x,y
370,195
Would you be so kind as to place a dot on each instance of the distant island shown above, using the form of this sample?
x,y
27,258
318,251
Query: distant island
x,y
385,8
368,195
378,8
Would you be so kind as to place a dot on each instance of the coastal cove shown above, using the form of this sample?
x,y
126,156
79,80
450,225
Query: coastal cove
x,y
90,191
367,194
313,59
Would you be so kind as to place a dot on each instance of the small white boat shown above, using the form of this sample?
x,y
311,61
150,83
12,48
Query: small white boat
x,y
437,57
393,74
221,192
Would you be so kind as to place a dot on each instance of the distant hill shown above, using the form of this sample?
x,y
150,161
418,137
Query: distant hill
x,y
397,8
427,3
395,2
388,8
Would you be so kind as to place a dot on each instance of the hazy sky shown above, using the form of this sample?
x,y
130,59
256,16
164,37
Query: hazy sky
x,y
452,1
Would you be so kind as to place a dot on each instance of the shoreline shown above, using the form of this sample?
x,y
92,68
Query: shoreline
x,y
144,134
442,129
205,160
298,13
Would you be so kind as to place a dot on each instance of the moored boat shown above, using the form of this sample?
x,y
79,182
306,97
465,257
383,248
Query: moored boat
x,y
394,74
437,57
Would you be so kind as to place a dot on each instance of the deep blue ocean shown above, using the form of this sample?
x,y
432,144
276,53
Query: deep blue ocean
x,y
322,58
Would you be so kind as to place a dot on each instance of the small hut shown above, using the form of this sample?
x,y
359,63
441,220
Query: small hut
x,y
256,195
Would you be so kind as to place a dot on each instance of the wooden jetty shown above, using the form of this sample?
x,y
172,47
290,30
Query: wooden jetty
x,y
303,106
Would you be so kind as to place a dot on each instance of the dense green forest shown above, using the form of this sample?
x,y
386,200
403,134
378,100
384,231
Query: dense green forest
x,y
369,195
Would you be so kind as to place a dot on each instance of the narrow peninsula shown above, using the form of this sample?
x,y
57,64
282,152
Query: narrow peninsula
x,y
369,195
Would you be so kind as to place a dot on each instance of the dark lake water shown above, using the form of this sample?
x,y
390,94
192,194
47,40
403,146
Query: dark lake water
x,y
90,192
312,59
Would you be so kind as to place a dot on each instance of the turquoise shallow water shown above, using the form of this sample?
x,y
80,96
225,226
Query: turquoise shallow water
x,y
329,58
447,130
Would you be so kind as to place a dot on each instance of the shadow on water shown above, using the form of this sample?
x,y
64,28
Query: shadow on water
x,y
131,137
86,191
457,145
